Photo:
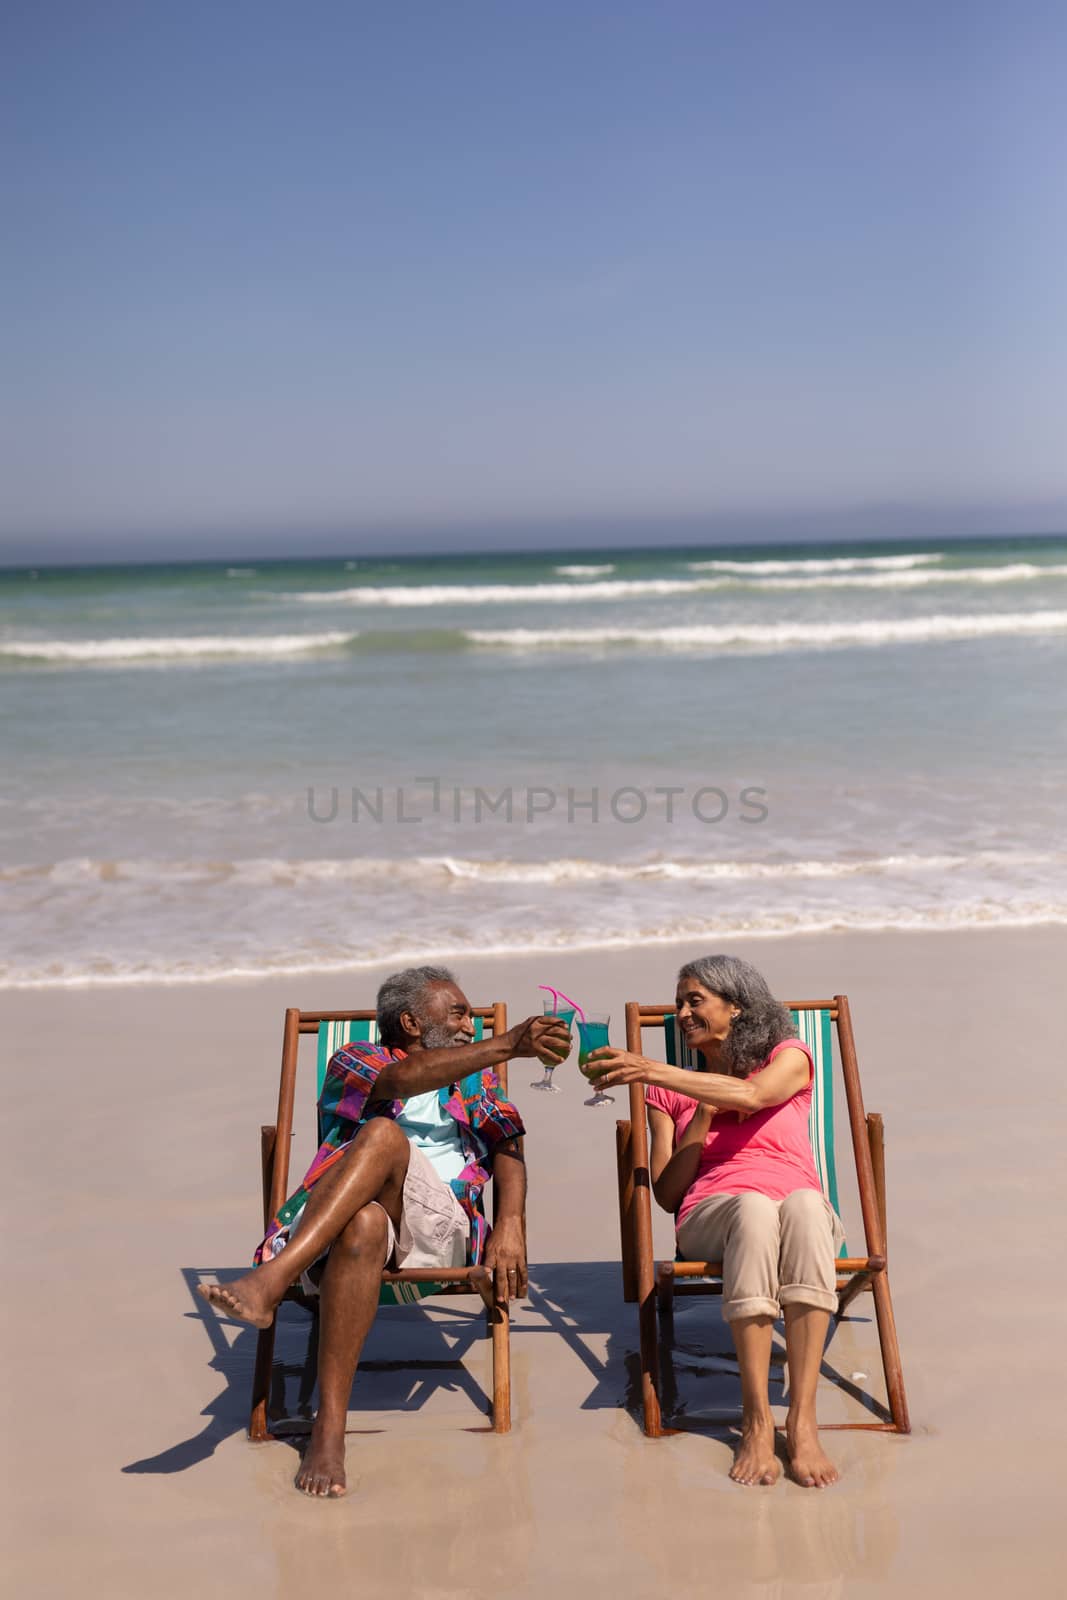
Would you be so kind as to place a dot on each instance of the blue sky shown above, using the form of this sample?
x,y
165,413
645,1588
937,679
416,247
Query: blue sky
x,y
366,269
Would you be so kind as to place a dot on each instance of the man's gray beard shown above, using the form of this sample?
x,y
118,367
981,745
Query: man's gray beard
x,y
438,1036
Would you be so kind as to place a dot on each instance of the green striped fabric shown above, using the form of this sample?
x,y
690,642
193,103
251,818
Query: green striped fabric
x,y
333,1035
815,1028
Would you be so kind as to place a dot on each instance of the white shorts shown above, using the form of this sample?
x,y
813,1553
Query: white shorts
x,y
434,1228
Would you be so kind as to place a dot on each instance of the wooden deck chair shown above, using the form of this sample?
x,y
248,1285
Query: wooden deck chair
x,y
654,1286
334,1029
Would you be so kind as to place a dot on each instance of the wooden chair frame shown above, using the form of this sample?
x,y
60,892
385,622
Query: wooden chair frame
x,y
275,1141
654,1288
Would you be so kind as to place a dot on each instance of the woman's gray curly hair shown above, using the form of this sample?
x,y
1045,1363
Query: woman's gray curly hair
x,y
763,1022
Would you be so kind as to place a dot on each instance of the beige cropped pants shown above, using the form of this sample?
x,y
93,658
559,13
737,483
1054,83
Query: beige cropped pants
x,y
774,1253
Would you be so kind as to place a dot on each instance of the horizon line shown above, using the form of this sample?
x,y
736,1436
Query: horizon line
x,y
63,563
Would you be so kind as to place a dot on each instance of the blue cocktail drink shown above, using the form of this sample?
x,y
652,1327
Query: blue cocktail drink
x,y
592,1035
565,1013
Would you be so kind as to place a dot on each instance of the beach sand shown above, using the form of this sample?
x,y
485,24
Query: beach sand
x,y
131,1167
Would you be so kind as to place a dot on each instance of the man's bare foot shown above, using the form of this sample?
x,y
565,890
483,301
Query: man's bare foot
x,y
755,1461
243,1299
808,1462
322,1471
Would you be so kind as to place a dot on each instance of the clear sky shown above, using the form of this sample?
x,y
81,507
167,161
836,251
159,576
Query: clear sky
x,y
464,264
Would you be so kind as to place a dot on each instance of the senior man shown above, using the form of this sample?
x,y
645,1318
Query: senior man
x,y
399,1177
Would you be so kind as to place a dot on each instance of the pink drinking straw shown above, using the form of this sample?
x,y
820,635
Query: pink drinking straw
x,y
558,995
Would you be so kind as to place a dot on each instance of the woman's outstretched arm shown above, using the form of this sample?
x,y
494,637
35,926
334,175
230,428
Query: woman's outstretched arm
x,y
788,1073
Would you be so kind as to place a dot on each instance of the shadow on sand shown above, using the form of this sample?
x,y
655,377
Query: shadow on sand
x,y
412,1354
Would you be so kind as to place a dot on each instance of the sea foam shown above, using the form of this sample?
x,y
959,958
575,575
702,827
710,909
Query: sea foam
x,y
399,950
762,638
820,564
170,649
277,872
758,576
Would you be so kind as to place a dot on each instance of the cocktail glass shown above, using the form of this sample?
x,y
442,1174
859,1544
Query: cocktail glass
x,y
592,1034
566,1014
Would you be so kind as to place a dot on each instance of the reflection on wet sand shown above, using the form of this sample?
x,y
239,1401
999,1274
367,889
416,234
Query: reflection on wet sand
x,y
779,1537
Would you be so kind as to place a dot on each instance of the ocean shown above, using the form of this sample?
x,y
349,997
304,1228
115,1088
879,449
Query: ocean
x,y
218,771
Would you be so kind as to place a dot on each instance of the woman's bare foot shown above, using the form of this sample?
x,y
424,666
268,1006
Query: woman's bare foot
x,y
243,1299
809,1464
322,1471
755,1461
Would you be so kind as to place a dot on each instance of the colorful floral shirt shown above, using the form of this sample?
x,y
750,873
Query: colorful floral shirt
x,y
483,1119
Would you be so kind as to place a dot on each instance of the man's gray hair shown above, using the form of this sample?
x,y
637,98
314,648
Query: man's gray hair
x,y
763,1022
405,991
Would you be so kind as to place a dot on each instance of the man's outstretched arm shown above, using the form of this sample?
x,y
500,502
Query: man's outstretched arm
x,y
505,1254
422,1070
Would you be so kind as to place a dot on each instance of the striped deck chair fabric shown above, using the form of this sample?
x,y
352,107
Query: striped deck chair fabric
x,y
334,1034
815,1028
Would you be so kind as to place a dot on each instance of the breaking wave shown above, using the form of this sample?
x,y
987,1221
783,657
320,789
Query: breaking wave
x,y
398,949
267,871
485,594
170,649
771,637
820,564
758,576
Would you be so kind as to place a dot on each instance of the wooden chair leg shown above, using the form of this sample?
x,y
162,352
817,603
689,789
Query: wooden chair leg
x,y
268,1136
501,1315
863,1280
259,1424
887,1339
649,1335
644,1259
883,1300
876,1140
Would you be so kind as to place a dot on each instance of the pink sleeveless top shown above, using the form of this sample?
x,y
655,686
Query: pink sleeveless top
x,y
767,1153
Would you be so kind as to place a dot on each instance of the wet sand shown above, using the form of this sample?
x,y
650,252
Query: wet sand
x,y
131,1168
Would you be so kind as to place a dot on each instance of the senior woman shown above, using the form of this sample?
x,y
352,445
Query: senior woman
x,y
731,1157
